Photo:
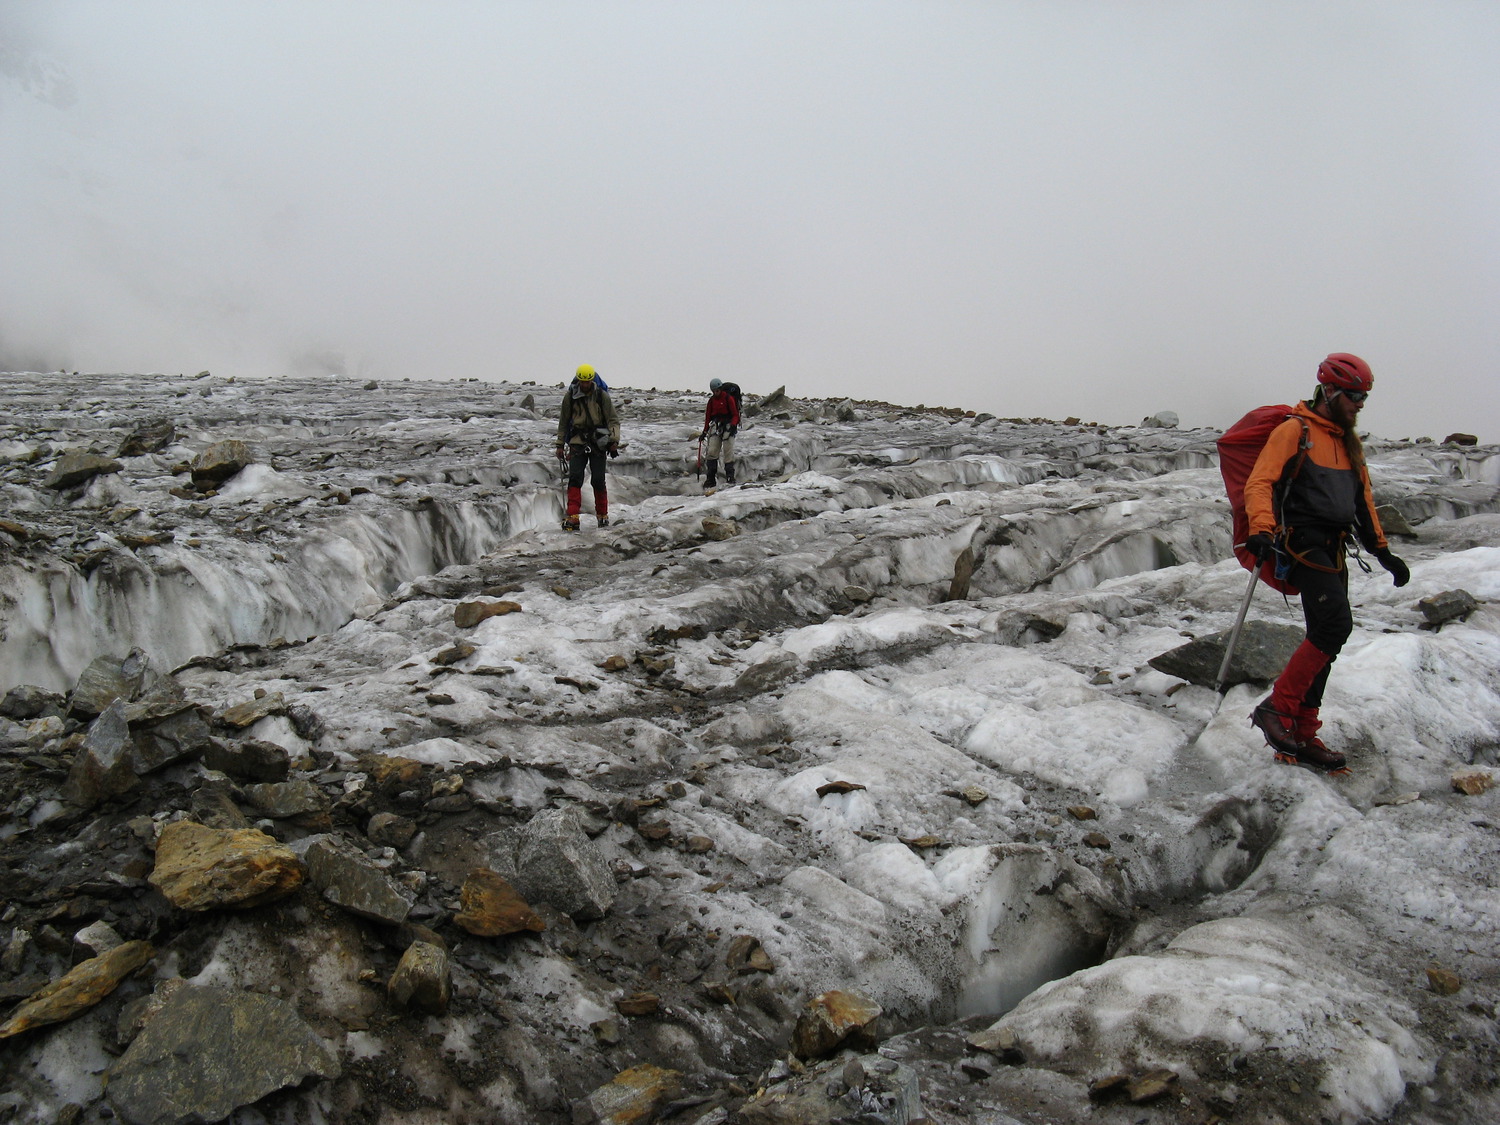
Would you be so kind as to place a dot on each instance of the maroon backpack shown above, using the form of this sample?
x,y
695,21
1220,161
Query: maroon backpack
x,y
1238,449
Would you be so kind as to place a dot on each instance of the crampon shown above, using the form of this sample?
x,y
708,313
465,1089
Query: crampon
x,y
1290,750
1286,759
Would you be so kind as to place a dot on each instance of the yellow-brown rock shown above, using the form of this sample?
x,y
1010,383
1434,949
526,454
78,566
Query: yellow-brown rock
x,y
747,955
468,614
1472,782
252,711
80,989
638,1004
201,868
423,979
394,774
491,907
1444,981
633,1096
831,1018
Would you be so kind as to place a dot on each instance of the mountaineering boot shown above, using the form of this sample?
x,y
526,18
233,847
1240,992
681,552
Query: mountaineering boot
x,y
1279,728
1313,753
601,506
1281,731
1277,716
711,480
1312,750
729,471
575,503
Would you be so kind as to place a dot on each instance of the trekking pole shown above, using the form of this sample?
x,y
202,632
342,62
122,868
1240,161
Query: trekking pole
x,y
1234,636
698,472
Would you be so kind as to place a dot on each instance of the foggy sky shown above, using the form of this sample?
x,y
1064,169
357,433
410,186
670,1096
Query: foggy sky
x,y
1054,208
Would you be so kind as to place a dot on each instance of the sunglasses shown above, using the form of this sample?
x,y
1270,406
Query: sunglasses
x,y
1355,396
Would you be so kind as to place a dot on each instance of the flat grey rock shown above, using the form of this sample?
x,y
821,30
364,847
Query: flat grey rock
x,y
1260,654
211,1050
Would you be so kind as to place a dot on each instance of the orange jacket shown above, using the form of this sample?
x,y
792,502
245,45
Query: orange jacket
x,y
1328,490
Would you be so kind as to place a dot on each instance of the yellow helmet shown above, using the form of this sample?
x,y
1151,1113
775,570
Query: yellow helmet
x,y
585,373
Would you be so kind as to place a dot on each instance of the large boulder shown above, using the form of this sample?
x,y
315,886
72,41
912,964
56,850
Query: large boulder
x,y
104,766
106,679
558,864
775,399
252,759
287,800
1393,521
633,1095
150,436
492,908
208,1051
423,980
350,880
829,1019
1447,606
27,701
219,462
79,468
1260,654
166,732
202,868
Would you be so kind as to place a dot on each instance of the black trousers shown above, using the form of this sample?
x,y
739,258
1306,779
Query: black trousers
x,y
1325,597
588,458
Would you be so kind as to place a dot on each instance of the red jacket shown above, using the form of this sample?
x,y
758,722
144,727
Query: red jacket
x,y
1328,490
721,409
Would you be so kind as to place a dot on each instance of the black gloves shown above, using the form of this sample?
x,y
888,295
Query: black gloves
x,y
1260,545
612,449
561,456
733,430
1400,572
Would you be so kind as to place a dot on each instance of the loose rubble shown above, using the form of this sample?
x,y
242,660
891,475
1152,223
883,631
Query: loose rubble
x,y
887,786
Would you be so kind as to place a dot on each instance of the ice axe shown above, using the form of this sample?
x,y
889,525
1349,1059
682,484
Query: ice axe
x,y
1234,636
698,472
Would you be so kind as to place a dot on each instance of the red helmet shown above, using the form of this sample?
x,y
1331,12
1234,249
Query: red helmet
x,y
1345,372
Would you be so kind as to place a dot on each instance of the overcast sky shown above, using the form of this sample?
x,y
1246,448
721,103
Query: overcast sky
x,y
1057,208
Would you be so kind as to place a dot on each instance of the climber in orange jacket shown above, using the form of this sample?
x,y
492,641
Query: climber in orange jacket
x,y
1309,491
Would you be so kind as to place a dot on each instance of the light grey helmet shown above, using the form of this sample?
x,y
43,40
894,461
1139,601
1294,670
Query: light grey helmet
x,y
715,384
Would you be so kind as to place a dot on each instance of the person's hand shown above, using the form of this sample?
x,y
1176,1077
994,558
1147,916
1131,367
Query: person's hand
x,y
733,430
1261,545
561,456
612,449
1400,572
704,434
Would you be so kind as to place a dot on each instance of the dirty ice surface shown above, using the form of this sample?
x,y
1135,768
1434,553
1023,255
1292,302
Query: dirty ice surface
x,y
952,614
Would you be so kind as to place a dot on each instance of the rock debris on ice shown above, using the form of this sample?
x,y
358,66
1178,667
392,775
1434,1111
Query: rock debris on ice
x,y
555,827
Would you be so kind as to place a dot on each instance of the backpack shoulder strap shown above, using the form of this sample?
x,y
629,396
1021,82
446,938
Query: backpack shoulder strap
x,y
1292,469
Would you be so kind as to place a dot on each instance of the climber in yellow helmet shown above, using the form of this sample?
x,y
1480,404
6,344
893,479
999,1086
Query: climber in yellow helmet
x,y
588,430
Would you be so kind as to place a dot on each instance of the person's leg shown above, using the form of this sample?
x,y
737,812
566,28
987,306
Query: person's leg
x,y
1289,716
711,458
601,494
727,452
576,468
1329,623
